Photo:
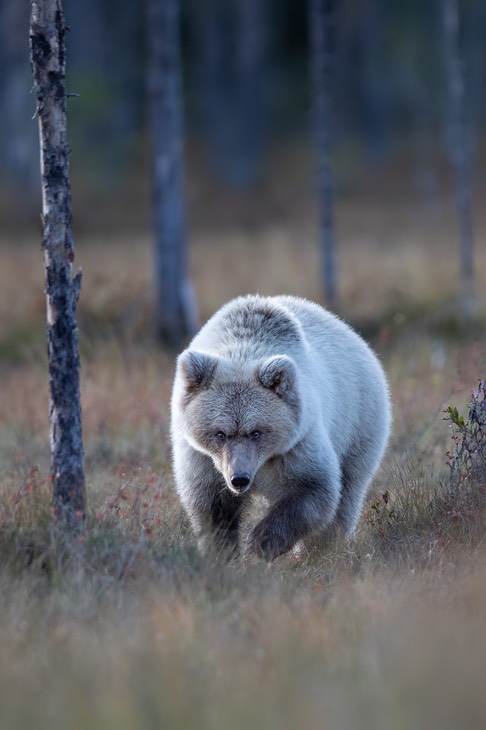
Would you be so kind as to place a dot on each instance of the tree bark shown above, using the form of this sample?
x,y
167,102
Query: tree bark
x,y
321,20
48,59
458,153
176,315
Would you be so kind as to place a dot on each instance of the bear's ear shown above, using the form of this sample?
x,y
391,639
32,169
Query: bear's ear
x,y
197,368
279,374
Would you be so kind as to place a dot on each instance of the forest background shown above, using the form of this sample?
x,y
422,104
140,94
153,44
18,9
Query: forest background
x,y
130,626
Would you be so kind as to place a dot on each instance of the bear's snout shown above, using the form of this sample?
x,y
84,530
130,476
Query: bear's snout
x,y
240,481
239,464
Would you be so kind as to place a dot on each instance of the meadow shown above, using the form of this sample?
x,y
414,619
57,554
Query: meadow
x,y
127,626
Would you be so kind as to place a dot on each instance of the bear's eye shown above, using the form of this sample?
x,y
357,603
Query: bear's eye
x,y
255,435
221,436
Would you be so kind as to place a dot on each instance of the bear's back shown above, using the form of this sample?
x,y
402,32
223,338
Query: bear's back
x,y
250,328
345,373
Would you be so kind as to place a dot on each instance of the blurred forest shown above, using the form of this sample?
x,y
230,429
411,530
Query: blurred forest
x,y
248,131
246,91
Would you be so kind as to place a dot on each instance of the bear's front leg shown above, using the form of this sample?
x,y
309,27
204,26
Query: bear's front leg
x,y
308,507
214,512
226,511
215,518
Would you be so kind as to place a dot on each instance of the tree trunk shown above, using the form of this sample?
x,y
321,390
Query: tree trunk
x,y
176,315
48,57
321,19
458,153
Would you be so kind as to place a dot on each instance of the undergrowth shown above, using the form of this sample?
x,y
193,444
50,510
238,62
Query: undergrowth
x,y
467,458
127,626
422,516
138,529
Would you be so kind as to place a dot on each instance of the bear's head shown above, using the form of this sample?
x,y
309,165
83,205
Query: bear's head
x,y
241,415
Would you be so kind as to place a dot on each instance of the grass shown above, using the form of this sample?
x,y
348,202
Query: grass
x,y
127,626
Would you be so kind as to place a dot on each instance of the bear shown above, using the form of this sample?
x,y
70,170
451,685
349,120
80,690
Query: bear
x,y
280,398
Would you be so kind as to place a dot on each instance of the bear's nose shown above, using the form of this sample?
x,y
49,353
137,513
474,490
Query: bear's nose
x,y
240,480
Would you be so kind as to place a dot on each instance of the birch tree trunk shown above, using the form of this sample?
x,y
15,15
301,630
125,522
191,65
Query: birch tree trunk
x,y
321,20
176,315
458,152
48,58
